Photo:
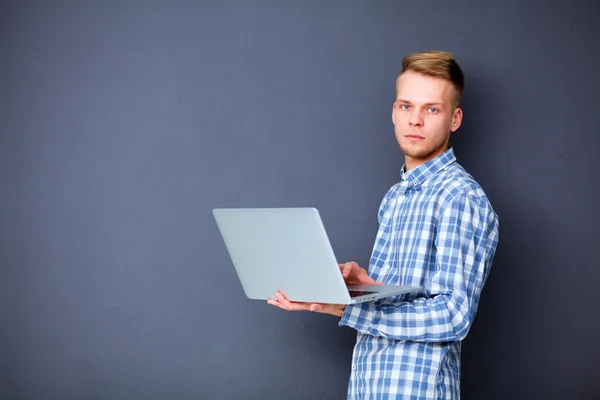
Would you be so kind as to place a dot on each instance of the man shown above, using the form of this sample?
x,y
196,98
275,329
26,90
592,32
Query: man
x,y
437,229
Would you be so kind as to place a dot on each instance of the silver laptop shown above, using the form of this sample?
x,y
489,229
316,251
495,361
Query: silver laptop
x,y
288,249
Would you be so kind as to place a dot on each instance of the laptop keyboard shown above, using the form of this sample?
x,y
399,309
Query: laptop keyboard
x,y
356,293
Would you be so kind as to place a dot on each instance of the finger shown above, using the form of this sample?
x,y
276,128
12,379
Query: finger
x,y
275,303
369,281
291,306
347,269
280,301
364,277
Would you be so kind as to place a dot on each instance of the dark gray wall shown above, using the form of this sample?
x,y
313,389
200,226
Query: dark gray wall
x,y
122,124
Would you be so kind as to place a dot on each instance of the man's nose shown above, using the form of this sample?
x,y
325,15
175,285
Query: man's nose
x,y
416,119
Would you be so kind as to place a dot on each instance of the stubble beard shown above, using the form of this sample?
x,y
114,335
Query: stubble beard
x,y
420,150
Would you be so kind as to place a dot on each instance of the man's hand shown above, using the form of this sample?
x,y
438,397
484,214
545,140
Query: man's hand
x,y
354,275
282,302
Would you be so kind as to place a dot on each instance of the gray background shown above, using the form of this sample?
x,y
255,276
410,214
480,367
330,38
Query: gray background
x,y
122,124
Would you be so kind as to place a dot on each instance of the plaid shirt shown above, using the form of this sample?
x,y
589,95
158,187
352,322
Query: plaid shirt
x,y
437,230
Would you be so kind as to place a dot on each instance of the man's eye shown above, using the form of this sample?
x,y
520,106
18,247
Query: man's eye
x,y
433,110
405,106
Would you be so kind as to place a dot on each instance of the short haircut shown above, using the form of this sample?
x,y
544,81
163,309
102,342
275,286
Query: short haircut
x,y
438,64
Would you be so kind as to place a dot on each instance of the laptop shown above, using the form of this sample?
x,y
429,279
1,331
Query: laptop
x,y
287,249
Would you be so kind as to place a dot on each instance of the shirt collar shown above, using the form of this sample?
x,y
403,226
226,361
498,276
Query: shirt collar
x,y
418,175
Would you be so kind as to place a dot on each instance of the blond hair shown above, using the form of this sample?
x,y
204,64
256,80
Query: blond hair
x,y
438,64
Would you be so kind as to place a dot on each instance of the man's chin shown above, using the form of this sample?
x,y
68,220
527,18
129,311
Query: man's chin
x,y
414,150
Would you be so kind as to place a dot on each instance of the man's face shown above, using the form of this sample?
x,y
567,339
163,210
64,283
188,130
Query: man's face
x,y
424,115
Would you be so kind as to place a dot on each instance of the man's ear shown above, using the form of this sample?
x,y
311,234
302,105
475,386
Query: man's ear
x,y
456,119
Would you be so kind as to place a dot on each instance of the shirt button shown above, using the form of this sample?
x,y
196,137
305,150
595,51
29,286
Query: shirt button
x,y
353,367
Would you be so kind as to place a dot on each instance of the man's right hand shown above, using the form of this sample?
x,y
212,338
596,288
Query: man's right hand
x,y
354,275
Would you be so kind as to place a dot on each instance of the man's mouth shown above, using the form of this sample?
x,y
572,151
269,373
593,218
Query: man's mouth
x,y
414,137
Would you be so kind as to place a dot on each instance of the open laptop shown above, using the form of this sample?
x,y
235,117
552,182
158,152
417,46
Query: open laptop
x,y
287,249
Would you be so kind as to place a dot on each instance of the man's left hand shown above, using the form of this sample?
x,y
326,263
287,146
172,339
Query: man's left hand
x,y
282,302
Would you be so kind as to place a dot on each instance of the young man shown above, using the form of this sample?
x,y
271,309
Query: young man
x,y
438,230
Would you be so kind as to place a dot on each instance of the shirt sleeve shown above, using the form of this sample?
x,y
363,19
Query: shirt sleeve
x,y
465,243
383,206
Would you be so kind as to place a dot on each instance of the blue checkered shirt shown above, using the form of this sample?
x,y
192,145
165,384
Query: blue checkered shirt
x,y
437,230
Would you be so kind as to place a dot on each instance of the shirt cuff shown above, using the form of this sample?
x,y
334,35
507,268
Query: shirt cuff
x,y
359,316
